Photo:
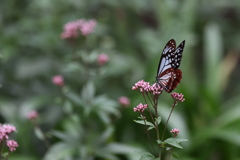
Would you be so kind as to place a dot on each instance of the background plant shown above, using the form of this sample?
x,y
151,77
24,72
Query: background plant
x,y
133,33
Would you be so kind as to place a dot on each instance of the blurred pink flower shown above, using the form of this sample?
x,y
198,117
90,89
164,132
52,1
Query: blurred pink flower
x,y
5,130
12,145
74,28
58,80
102,59
32,115
175,132
87,27
140,108
70,30
9,128
124,101
3,134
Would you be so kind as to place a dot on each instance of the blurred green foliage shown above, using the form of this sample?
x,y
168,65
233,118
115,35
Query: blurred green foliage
x,y
133,34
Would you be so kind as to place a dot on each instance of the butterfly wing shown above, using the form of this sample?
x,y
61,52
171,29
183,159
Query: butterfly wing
x,y
168,76
177,56
165,60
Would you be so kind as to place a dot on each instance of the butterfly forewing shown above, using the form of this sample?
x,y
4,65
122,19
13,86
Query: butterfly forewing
x,y
165,60
168,76
177,56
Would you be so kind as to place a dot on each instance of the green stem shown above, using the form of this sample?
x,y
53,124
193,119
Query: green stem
x,y
168,119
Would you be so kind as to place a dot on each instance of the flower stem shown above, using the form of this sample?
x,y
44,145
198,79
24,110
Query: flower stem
x,y
168,120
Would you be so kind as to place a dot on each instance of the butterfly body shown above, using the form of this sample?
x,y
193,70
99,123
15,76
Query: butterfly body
x,y
168,74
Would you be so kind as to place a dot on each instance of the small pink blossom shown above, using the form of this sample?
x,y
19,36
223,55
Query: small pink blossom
x,y
70,30
102,59
87,27
58,80
12,145
140,108
124,101
74,28
32,115
156,89
143,86
177,96
175,132
3,134
5,130
8,128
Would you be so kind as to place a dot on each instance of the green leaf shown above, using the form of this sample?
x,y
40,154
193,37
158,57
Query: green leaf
x,y
159,141
73,97
151,127
39,133
59,151
158,120
144,122
88,93
147,156
175,141
175,156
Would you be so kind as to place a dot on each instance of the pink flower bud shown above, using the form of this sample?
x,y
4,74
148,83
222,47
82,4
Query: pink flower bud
x,y
102,59
32,115
58,80
124,101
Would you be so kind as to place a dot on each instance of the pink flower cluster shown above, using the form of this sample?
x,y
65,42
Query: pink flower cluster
x,y
140,108
12,145
143,86
32,115
72,29
175,132
5,130
58,80
102,59
177,96
124,101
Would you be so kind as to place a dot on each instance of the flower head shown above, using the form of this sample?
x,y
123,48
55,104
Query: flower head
x,y
12,145
177,96
124,101
32,115
156,89
102,59
143,86
58,80
140,108
175,132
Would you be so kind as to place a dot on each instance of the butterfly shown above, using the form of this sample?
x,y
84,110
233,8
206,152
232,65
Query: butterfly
x,y
168,74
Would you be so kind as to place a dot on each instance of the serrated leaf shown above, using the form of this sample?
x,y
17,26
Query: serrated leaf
x,y
144,122
175,156
175,142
